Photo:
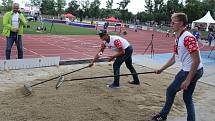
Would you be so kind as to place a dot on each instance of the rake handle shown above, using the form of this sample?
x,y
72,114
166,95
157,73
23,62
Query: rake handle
x,y
59,76
96,77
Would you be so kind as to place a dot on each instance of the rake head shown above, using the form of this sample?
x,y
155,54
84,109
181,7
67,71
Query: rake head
x,y
27,89
60,81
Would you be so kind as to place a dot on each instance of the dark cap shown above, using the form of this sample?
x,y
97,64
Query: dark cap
x,y
102,32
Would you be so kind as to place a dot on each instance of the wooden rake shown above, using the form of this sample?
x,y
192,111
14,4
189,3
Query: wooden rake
x,y
28,88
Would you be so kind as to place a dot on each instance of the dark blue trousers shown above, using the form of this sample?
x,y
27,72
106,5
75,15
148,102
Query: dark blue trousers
x,y
127,58
187,94
14,37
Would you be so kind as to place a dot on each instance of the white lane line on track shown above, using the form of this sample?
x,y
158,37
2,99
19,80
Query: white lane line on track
x,y
33,52
65,48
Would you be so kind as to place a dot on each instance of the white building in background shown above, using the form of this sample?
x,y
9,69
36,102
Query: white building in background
x,y
31,9
27,7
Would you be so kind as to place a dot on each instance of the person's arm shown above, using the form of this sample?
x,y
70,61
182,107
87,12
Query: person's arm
x,y
194,53
169,63
6,22
98,55
196,61
120,52
22,19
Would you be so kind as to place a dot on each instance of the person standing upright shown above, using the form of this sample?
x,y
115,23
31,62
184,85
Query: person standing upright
x,y
186,50
196,33
210,36
13,23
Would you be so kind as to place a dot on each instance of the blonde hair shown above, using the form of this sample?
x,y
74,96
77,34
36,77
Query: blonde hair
x,y
181,17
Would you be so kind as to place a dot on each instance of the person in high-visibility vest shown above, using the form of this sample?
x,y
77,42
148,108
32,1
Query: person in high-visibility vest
x,y
13,23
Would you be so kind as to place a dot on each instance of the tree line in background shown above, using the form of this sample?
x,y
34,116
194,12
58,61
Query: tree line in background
x,y
155,10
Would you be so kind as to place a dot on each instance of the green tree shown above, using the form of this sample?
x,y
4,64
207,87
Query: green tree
x,y
7,4
36,2
85,8
173,6
109,4
158,4
1,8
122,8
109,11
149,6
60,5
94,8
163,16
191,1
158,12
4,3
194,9
123,4
73,8
105,13
210,6
48,7
144,16
81,14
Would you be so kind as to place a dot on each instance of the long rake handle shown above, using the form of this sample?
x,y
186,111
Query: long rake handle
x,y
59,76
96,77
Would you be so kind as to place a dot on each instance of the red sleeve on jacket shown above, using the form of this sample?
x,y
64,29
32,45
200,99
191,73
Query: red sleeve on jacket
x,y
175,47
175,50
118,43
191,44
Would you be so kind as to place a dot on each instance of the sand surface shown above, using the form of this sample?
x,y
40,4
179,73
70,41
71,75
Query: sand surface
x,y
90,100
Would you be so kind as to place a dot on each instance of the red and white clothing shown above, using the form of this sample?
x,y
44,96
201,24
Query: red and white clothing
x,y
117,42
184,46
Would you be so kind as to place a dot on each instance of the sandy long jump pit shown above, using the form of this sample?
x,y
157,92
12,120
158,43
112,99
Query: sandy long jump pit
x,y
85,100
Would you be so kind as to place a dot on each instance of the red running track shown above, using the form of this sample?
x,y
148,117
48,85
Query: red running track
x,y
76,47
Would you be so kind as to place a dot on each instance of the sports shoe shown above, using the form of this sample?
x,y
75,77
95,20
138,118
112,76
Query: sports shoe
x,y
158,117
113,86
134,83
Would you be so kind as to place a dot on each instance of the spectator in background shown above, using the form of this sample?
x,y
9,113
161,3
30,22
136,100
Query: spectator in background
x,y
91,22
13,23
122,30
97,25
61,18
106,24
210,37
167,33
135,27
173,34
35,17
196,33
